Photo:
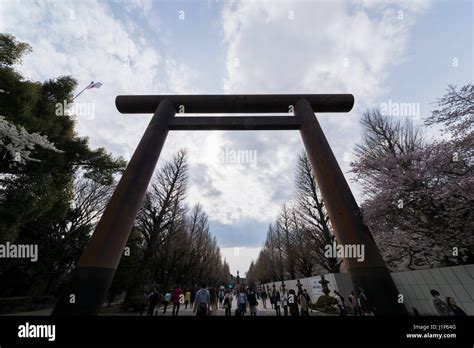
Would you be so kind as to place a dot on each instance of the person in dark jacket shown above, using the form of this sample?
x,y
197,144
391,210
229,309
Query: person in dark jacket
x,y
252,298
364,304
228,303
276,302
454,307
293,303
264,298
441,307
152,301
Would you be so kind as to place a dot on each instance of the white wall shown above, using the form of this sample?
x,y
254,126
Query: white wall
x,y
456,282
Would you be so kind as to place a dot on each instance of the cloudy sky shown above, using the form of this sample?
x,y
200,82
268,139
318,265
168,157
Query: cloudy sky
x,y
383,52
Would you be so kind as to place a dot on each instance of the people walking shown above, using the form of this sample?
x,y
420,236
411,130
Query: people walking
x,y
228,303
284,302
457,311
354,303
366,307
152,301
308,298
276,302
166,300
242,301
177,298
340,303
441,307
202,301
270,297
187,299
303,301
252,299
221,297
293,303
159,303
264,298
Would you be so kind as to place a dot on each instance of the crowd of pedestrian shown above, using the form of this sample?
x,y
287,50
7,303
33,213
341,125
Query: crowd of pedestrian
x,y
207,301
359,303
360,306
158,301
446,308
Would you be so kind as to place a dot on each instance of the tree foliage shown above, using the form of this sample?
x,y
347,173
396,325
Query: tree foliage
x,y
11,50
455,110
419,194
177,246
53,185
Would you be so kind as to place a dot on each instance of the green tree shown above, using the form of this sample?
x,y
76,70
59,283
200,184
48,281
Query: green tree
x,y
36,196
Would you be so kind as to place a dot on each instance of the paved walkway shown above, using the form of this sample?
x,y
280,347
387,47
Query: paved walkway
x,y
221,312
183,312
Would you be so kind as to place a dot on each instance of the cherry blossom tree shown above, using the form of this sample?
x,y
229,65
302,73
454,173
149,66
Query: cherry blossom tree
x,y
17,144
418,194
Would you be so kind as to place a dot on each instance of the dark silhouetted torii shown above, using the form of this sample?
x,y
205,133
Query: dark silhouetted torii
x,y
91,279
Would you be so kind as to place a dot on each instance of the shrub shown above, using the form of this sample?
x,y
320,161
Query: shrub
x,y
23,304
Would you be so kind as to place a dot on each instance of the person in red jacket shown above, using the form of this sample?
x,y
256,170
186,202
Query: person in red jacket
x,y
177,298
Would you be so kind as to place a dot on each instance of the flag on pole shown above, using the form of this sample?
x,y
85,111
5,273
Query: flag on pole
x,y
94,85
89,86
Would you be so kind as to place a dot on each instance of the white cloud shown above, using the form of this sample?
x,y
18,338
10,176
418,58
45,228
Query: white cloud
x,y
239,258
307,47
83,39
144,5
307,54
413,6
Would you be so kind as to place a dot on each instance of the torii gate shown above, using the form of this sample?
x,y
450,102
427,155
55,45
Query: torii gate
x,y
91,279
